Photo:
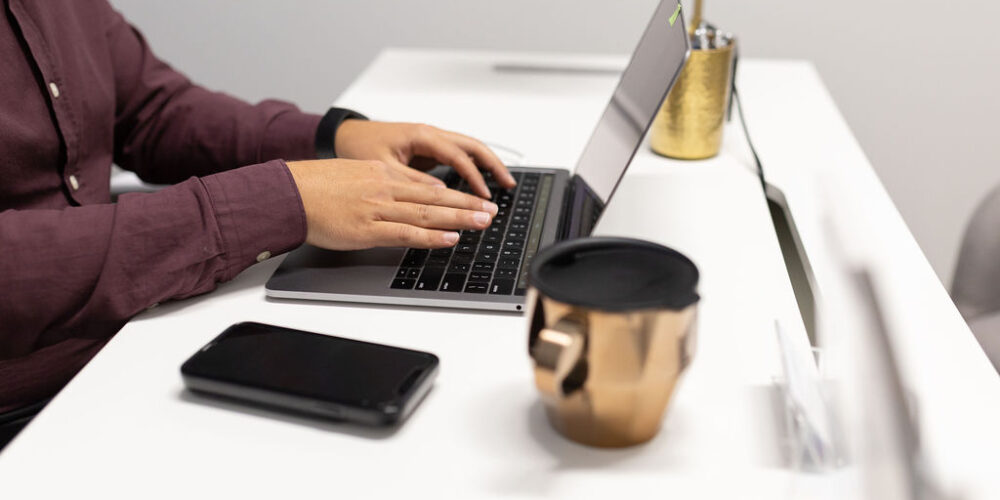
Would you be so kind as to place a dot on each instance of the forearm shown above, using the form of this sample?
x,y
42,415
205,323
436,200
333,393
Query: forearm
x,y
197,132
81,272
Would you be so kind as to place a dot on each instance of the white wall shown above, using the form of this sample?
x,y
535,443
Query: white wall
x,y
915,81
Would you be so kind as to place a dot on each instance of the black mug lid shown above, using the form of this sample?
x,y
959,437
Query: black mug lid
x,y
615,274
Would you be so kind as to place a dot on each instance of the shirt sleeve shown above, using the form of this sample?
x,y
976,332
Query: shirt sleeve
x,y
80,273
168,129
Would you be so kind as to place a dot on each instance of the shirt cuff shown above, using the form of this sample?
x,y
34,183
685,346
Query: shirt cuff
x,y
290,135
259,212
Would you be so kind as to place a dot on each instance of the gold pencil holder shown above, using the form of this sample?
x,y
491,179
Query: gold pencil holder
x,y
690,122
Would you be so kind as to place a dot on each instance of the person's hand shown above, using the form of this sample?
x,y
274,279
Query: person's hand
x,y
351,205
405,145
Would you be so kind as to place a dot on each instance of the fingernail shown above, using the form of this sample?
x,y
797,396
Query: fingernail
x,y
450,238
490,207
481,218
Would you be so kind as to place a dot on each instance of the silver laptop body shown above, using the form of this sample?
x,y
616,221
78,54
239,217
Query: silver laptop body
x,y
564,205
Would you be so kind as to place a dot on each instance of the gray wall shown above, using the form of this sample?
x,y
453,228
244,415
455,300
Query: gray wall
x,y
915,82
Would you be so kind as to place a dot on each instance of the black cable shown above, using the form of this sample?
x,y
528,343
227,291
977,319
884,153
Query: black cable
x,y
746,133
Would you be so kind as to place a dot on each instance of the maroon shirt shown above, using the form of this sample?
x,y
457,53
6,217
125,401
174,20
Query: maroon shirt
x,y
80,89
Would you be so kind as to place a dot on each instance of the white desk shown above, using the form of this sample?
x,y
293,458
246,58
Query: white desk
x,y
126,428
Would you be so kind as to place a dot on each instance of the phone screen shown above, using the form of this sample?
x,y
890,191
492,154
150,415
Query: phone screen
x,y
310,365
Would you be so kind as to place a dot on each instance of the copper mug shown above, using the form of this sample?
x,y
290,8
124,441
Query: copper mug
x,y
612,329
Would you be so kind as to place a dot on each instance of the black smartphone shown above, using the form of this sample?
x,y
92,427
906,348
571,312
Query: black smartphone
x,y
321,375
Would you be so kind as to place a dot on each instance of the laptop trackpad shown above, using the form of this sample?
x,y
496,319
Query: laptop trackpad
x,y
317,258
311,269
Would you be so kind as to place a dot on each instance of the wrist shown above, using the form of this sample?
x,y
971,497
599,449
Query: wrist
x,y
326,131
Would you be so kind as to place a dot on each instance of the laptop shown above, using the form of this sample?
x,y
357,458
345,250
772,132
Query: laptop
x,y
488,269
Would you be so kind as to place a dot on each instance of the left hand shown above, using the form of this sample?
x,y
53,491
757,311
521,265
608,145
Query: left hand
x,y
411,148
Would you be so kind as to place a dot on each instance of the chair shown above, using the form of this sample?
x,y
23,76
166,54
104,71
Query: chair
x,y
13,421
976,286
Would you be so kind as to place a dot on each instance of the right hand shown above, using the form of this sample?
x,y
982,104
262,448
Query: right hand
x,y
352,205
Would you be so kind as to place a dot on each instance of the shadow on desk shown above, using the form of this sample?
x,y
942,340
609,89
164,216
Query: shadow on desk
x,y
538,458
254,410
569,454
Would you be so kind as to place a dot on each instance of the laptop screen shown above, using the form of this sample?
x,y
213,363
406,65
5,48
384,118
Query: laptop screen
x,y
655,64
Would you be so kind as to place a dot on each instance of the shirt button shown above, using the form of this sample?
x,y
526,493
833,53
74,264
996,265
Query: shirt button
x,y
261,257
75,184
54,89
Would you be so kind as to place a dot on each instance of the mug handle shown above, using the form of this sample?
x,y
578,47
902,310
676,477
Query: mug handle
x,y
557,350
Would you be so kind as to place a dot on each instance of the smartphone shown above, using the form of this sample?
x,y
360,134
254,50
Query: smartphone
x,y
311,373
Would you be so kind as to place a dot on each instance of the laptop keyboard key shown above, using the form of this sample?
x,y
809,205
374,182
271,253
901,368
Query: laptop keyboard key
x,y
453,282
458,268
465,248
479,276
415,257
506,273
403,283
413,273
487,257
493,238
401,273
437,261
502,286
476,288
513,244
451,179
508,263
483,266
462,258
430,278
511,252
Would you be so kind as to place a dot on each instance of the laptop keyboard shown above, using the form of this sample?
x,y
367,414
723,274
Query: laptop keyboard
x,y
492,261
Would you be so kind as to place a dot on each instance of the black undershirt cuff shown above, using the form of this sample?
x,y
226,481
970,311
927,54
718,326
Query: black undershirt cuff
x,y
326,132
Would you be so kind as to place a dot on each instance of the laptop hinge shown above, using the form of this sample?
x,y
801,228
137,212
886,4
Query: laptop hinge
x,y
581,209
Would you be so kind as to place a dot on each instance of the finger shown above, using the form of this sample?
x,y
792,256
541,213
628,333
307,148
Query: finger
x,y
444,150
415,175
442,197
485,157
395,234
434,217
